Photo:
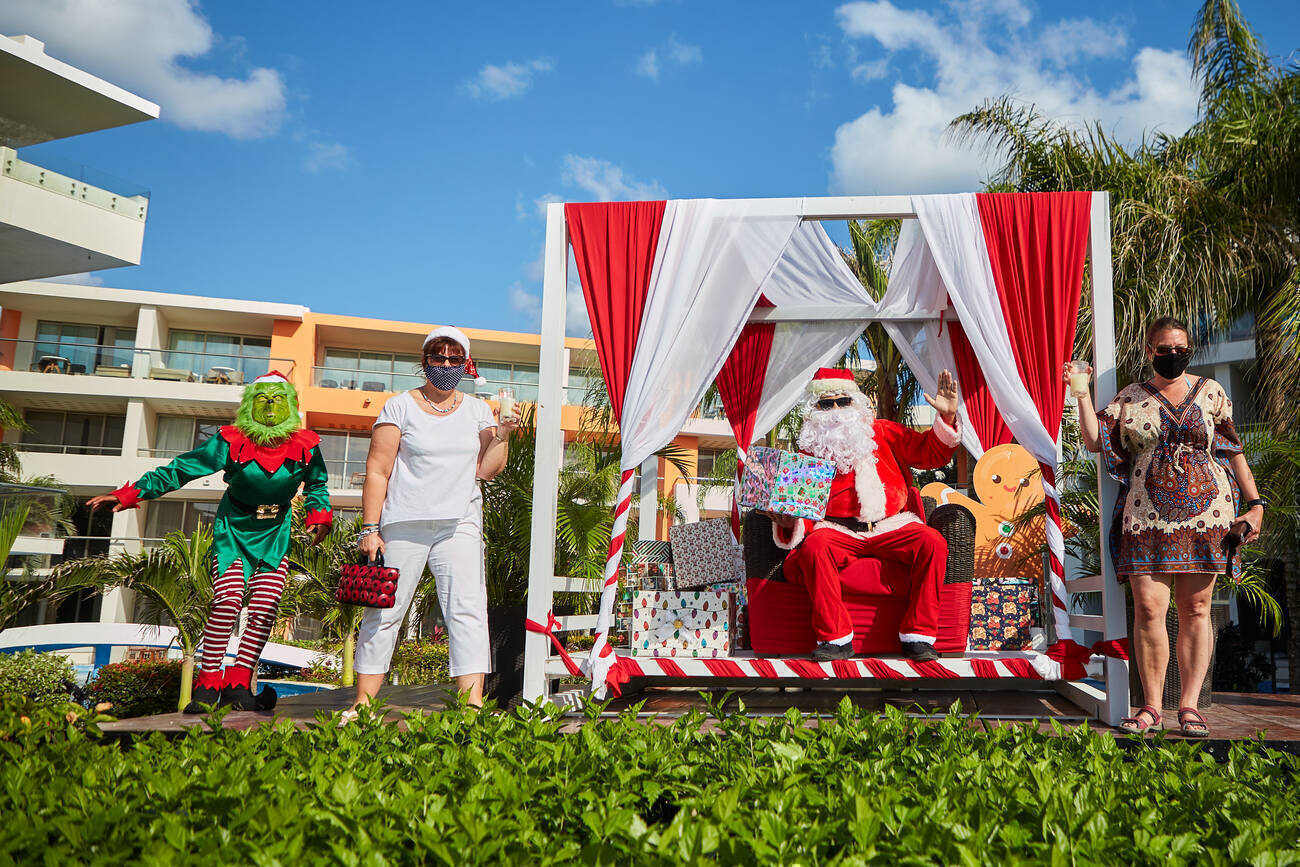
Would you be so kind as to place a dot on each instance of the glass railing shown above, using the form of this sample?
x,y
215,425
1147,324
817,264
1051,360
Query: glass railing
x,y
75,181
73,170
364,380
62,449
67,357
346,474
213,367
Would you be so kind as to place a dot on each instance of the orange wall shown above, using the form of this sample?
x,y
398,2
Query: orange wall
x,y
9,320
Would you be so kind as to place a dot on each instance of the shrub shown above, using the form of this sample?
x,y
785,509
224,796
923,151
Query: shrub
x,y
48,722
44,678
138,688
320,671
421,662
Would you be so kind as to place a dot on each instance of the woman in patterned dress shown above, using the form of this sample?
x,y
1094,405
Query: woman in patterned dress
x,y
1171,444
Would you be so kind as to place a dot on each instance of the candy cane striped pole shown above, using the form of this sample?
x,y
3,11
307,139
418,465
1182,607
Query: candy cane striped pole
x,y
601,658
1056,553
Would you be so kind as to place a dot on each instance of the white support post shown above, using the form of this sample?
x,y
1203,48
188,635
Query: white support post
x,y
1115,706
550,447
648,516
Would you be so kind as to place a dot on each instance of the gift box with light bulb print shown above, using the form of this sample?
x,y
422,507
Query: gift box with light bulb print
x,y
687,623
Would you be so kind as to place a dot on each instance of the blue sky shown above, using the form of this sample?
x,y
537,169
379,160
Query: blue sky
x,y
393,163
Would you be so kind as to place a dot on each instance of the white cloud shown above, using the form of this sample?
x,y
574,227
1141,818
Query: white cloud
x,y
672,52
983,49
605,182
871,70
326,156
143,46
525,302
545,199
576,321
508,81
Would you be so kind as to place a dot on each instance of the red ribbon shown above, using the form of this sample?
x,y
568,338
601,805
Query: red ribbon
x,y
1073,656
549,631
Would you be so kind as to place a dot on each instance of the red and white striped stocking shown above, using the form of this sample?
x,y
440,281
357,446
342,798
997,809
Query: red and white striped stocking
x,y
227,599
263,602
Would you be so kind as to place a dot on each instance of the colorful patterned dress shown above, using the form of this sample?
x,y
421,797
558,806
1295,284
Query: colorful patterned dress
x,y
1177,498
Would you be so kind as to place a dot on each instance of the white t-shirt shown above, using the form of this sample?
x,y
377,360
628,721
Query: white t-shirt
x,y
433,477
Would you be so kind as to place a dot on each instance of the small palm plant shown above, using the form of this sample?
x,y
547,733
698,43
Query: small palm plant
x,y
314,572
16,591
173,583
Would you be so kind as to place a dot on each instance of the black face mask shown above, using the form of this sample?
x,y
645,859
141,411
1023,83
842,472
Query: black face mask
x,y
1170,366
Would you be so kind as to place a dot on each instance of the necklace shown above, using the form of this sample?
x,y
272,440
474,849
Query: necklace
x,y
433,406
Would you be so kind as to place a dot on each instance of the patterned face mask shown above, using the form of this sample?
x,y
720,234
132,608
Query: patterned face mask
x,y
443,378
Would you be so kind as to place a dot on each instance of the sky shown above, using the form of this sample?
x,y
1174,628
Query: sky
x,y
394,159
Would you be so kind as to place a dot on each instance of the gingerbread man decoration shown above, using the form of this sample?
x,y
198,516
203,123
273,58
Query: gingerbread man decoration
x,y
1008,483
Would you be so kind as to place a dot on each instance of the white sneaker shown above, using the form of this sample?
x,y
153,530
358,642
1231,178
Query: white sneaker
x,y
348,716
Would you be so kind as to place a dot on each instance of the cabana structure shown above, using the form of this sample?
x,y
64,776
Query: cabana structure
x,y
753,293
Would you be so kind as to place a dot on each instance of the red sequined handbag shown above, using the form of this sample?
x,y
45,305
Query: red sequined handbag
x,y
371,584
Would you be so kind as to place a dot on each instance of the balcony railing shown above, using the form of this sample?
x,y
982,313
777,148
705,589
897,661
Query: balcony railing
x,y
68,449
75,181
176,365
365,380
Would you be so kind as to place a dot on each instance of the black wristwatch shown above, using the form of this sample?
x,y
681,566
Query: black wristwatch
x,y
1258,501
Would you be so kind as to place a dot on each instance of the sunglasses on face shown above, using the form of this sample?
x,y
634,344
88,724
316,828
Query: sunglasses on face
x,y
454,360
1164,349
832,402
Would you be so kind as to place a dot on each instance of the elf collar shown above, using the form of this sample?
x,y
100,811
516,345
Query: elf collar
x,y
296,447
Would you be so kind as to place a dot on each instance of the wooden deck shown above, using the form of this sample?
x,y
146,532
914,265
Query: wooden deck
x,y
1233,716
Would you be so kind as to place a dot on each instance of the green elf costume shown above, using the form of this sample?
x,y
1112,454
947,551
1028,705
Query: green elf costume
x,y
265,457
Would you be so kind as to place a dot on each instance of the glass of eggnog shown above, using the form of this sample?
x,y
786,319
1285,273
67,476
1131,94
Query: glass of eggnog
x,y
506,398
1080,375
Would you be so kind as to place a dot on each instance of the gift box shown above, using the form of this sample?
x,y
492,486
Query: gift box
x,y
1003,613
786,483
651,551
651,576
694,623
705,553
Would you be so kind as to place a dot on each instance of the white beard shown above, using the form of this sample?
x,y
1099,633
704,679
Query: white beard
x,y
842,435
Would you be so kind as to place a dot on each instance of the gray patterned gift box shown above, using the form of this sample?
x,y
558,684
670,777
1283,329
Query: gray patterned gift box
x,y
686,623
705,553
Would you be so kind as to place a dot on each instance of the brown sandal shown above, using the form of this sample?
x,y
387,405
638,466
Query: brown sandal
x,y
1192,724
1133,725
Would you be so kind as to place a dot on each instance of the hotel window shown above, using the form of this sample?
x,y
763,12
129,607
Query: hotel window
x,y
499,374
73,433
228,358
706,462
177,434
345,457
369,371
165,516
68,347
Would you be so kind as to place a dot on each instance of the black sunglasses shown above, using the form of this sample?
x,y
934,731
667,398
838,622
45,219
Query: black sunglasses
x,y
445,359
832,402
1162,349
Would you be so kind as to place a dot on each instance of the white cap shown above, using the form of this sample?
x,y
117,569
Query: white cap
x,y
448,331
273,376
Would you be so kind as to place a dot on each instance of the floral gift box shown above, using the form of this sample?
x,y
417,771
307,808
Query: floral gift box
x,y
705,553
686,623
1003,613
786,483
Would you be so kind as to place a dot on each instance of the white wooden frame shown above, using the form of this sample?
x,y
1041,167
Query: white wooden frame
x,y
1109,704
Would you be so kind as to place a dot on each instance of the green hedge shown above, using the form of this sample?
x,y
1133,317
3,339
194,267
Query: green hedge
x,y
138,688
421,662
460,787
36,676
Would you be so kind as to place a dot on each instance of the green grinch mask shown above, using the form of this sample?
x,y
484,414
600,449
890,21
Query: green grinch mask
x,y
268,412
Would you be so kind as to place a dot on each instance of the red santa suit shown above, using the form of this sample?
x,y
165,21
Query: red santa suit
x,y
870,502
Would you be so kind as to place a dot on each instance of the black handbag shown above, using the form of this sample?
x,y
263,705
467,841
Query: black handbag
x,y
368,583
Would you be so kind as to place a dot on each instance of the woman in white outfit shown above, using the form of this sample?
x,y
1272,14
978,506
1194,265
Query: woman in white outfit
x,y
421,504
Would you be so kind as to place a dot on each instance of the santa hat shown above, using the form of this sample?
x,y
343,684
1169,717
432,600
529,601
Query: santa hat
x,y
273,376
833,380
454,333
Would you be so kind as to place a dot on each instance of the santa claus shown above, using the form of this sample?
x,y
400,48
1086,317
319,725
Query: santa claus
x,y
866,516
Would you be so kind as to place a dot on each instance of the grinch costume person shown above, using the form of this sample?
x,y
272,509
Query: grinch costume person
x,y
265,458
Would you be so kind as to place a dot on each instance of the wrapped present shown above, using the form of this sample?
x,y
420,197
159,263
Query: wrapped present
x,y
705,553
1003,613
786,483
652,576
694,623
739,613
651,551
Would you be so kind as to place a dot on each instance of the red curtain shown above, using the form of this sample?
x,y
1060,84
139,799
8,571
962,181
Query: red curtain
x,y
740,382
614,246
1037,243
980,409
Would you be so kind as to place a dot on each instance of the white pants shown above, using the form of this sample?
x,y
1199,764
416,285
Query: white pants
x,y
454,551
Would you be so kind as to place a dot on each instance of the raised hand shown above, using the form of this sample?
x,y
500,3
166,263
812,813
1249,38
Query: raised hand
x,y
945,399
105,500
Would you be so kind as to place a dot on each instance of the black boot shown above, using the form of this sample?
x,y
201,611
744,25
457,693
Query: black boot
x,y
919,651
266,698
826,652
238,698
203,700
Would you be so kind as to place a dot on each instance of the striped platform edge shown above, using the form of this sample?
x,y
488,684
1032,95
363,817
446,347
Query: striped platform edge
x,y
1024,665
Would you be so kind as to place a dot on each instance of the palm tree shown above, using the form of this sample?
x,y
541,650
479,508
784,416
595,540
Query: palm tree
x,y
16,592
314,572
173,583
